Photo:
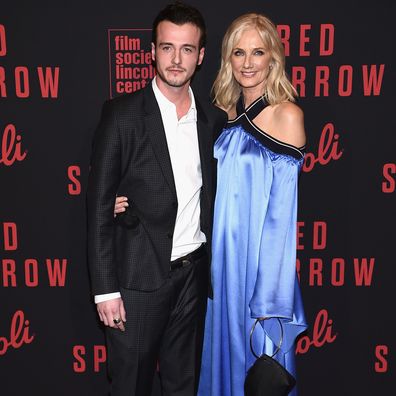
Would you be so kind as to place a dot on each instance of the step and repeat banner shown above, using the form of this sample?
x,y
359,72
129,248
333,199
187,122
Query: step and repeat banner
x,y
59,61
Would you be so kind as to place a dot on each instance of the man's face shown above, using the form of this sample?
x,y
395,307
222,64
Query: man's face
x,y
177,52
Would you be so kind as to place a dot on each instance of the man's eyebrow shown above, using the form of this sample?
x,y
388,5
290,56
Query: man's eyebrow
x,y
183,45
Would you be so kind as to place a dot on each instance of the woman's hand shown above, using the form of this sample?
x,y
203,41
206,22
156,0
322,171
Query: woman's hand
x,y
121,204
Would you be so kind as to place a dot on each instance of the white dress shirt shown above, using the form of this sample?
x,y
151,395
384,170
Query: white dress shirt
x,y
182,141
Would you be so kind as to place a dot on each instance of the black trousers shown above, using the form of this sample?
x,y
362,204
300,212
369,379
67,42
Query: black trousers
x,y
164,326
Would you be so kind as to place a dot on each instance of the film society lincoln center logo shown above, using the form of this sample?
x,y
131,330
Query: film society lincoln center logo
x,y
130,62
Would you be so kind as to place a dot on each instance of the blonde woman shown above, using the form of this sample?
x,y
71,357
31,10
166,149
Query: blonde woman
x,y
260,153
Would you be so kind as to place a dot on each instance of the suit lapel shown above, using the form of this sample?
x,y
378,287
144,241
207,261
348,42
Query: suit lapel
x,y
156,132
205,142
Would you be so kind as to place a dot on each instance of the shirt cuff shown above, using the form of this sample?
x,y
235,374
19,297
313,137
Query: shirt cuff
x,y
105,297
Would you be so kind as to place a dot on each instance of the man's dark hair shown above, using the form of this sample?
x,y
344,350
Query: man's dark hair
x,y
180,13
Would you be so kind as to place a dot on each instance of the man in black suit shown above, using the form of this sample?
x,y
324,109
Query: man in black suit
x,y
150,266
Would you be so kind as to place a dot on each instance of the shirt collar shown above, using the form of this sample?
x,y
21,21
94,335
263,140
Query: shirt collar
x,y
165,103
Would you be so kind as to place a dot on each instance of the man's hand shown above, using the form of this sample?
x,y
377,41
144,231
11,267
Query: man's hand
x,y
121,204
112,311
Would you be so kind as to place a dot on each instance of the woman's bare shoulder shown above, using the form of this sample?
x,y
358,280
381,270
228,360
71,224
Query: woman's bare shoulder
x,y
288,119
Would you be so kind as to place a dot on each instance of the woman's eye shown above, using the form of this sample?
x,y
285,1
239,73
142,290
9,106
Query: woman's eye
x,y
238,53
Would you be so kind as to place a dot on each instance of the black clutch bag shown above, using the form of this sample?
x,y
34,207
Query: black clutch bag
x,y
267,377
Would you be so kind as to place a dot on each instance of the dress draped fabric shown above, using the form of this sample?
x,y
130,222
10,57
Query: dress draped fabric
x,y
254,255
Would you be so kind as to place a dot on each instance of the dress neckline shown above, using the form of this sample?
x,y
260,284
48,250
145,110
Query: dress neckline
x,y
254,109
246,116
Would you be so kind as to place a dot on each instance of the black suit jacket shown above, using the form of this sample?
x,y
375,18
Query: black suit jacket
x,y
130,157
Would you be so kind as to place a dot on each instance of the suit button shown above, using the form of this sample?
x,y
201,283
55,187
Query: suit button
x,y
169,235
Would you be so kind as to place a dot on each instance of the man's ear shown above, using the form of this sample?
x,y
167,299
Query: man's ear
x,y
201,55
153,51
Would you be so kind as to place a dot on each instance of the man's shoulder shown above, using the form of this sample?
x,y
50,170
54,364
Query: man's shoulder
x,y
129,109
211,111
134,99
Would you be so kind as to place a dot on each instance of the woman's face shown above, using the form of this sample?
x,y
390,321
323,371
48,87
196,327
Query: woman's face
x,y
250,62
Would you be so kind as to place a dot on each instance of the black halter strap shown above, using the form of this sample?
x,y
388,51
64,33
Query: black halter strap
x,y
254,109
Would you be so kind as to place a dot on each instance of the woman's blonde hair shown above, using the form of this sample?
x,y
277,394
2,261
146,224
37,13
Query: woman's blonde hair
x,y
278,88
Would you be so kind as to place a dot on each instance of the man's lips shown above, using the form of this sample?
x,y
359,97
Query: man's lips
x,y
175,70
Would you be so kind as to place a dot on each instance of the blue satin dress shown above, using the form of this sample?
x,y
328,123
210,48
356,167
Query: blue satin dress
x,y
254,254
